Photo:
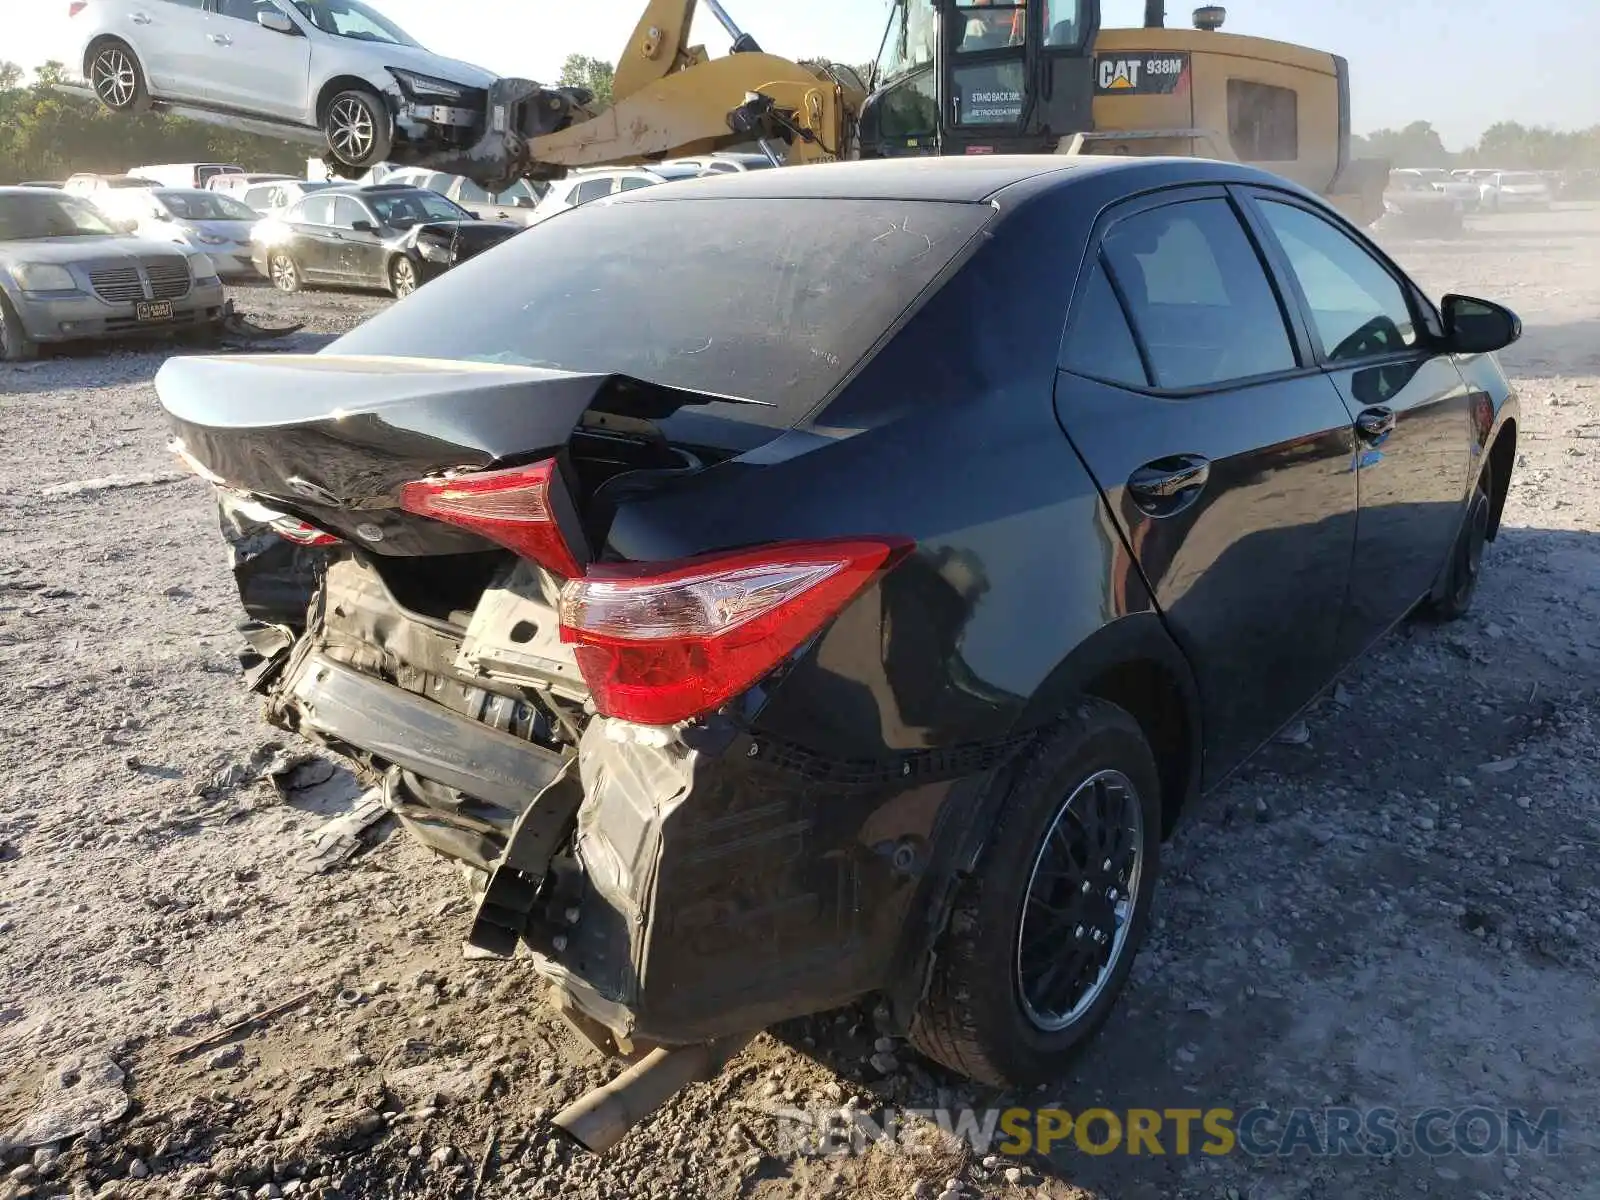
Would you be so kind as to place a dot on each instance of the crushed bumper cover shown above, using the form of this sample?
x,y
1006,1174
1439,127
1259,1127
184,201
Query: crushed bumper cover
x,y
675,886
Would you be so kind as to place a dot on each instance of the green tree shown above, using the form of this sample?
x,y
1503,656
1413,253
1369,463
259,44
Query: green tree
x,y
593,73
1417,145
861,73
48,134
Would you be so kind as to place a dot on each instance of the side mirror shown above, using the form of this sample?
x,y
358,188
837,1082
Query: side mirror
x,y
276,21
363,226
1473,326
476,216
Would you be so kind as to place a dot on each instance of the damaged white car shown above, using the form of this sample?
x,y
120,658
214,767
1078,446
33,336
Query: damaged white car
x,y
338,66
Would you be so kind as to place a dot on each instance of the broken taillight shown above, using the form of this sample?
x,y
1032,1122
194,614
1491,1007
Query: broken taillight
x,y
512,507
302,533
662,643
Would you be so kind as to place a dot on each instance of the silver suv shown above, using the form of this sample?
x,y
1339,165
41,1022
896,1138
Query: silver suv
x,y
339,66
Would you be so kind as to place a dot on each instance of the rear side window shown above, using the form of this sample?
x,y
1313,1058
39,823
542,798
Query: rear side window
x,y
591,189
1197,294
1099,342
768,300
631,183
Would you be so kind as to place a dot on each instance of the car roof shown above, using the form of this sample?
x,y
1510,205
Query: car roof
x,y
960,179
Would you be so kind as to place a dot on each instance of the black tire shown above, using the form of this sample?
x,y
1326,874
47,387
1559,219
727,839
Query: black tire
x,y
358,128
403,278
975,1018
117,77
284,273
1460,584
15,344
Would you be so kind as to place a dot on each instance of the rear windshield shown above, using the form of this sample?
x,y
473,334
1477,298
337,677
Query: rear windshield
x,y
204,206
773,300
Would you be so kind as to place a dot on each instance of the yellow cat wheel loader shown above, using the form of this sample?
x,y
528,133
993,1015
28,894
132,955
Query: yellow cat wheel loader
x,y
952,77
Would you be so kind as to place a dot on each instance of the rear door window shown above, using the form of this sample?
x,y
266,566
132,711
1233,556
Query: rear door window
x,y
313,210
1197,294
591,189
346,212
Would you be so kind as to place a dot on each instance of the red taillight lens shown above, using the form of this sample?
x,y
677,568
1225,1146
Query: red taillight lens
x,y
512,507
662,643
76,7
302,533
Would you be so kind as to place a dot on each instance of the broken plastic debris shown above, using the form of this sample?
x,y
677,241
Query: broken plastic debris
x,y
1296,734
1499,766
336,842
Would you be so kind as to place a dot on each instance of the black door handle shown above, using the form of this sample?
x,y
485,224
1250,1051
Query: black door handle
x,y
1375,423
1169,479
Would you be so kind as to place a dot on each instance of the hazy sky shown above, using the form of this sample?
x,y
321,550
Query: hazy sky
x,y
1461,64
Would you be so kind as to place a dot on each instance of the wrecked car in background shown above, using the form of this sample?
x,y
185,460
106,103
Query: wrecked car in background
x,y
339,66
1412,203
391,236
798,586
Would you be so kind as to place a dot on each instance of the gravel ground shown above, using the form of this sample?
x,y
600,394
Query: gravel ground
x,y
1398,912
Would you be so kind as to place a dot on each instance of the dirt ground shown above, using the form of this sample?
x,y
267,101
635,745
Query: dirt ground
x,y
1399,912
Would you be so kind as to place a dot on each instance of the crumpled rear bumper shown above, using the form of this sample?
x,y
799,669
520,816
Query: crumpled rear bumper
x,y
672,895
675,886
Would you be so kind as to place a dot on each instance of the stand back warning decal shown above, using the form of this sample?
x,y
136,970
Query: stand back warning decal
x,y
1133,74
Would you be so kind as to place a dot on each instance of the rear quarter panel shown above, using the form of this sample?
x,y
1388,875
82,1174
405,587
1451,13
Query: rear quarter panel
x,y
859,781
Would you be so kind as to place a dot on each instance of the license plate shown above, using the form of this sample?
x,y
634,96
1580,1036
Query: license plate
x,y
152,310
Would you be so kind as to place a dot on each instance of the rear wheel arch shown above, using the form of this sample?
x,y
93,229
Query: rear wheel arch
x,y
1502,462
1134,663
98,43
140,100
1131,663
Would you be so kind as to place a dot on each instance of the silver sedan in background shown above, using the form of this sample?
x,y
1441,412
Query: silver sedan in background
x,y
195,218
67,275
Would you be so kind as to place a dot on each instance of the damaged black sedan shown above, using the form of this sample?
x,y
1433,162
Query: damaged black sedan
x,y
383,236
800,586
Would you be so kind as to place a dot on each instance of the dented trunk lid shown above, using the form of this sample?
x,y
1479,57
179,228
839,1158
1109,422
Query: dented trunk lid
x,y
334,438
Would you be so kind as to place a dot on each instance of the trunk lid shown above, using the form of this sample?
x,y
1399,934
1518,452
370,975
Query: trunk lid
x,y
333,438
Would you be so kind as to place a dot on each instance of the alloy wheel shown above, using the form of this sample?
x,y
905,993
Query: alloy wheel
x,y
351,129
405,277
116,79
284,276
1077,913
